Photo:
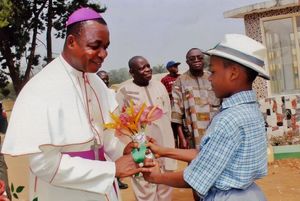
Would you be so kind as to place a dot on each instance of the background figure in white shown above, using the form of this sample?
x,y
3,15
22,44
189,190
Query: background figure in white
x,y
144,90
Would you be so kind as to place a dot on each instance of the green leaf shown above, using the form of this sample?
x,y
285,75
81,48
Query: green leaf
x,y
15,196
35,199
12,187
20,189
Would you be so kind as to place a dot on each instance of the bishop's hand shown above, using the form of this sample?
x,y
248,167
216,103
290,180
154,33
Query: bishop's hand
x,y
126,166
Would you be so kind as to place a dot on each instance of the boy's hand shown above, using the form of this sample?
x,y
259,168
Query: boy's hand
x,y
129,147
153,174
155,149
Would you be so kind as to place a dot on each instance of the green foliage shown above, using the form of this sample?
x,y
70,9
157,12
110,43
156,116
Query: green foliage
x,y
159,69
3,81
15,195
5,92
20,35
17,192
12,188
8,92
5,12
118,76
20,189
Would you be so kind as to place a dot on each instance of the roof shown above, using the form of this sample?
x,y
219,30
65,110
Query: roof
x,y
260,7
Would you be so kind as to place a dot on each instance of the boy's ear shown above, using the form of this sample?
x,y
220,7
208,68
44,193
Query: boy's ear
x,y
235,72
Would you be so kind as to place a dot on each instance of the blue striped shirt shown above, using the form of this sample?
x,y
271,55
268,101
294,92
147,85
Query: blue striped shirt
x,y
233,153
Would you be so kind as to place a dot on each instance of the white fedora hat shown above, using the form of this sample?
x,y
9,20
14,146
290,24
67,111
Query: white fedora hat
x,y
243,50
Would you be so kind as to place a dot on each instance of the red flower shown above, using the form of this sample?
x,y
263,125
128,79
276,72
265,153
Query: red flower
x,y
2,190
2,187
3,198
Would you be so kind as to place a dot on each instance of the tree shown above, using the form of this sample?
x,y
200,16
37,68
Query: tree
x,y
19,32
56,16
159,69
118,76
5,11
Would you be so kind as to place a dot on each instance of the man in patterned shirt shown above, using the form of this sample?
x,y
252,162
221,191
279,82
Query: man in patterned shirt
x,y
233,152
194,101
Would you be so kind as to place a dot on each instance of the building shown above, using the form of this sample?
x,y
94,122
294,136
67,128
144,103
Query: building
x,y
276,23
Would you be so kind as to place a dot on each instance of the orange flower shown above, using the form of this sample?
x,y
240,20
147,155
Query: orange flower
x,y
133,119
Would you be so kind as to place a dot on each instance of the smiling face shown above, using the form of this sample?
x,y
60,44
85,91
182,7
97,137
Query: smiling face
x,y
194,59
88,49
141,71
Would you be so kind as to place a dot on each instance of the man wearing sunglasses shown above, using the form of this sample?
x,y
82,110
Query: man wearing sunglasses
x,y
194,101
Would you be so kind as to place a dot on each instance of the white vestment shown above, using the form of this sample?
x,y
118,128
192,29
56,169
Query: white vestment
x,y
62,110
154,94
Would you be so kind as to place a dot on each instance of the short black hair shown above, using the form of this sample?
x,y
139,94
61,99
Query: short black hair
x,y
101,72
75,29
251,74
132,60
192,49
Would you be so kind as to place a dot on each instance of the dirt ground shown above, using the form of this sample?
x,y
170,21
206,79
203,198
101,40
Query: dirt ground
x,y
281,184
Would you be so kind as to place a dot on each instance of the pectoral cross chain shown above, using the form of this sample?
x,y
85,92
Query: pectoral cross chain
x,y
95,147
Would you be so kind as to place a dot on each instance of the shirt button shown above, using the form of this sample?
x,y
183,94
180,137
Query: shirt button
x,y
89,100
92,120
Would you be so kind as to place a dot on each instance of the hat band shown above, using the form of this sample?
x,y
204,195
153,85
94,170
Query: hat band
x,y
240,55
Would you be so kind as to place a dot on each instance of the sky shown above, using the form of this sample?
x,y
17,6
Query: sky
x,y
163,30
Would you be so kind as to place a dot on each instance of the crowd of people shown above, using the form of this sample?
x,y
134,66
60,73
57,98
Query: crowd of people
x,y
211,120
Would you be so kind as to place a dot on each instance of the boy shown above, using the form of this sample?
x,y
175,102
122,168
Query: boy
x,y
233,152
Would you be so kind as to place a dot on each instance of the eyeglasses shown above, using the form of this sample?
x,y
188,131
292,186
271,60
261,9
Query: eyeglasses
x,y
196,57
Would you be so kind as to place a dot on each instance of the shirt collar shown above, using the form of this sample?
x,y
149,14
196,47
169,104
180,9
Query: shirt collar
x,y
239,98
71,70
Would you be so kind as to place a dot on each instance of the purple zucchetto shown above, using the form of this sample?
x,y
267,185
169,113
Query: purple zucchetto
x,y
82,14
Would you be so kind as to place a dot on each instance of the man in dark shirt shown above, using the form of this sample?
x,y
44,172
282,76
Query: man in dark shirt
x,y
169,79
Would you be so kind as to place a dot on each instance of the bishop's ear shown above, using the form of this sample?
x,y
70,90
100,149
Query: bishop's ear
x,y
71,41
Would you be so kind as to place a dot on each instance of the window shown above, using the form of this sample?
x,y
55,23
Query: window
x,y
282,39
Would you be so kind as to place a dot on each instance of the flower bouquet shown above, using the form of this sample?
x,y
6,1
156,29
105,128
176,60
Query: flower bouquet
x,y
132,122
